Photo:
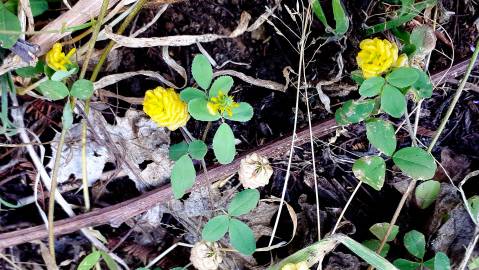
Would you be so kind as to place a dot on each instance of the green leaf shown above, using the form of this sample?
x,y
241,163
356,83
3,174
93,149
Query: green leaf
x,y
110,263
407,13
8,23
82,89
441,262
415,163
474,264
243,202
381,135
241,237
178,150
198,110
224,144
426,193
37,6
67,117
53,90
373,244
357,76
474,206
415,243
379,230
393,102
354,111
371,87
318,11
223,84
423,86
62,74
28,72
183,176
318,250
89,261
402,77
202,71
216,228
190,93
370,170
429,264
340,17
242,113
403,264
366,254
197,149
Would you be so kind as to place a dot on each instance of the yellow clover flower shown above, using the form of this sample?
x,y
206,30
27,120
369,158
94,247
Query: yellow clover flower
x,y
165,108
377,56
221,103
296,266
56,59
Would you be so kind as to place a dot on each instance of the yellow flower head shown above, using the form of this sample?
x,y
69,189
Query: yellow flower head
x,y
296,266
56,59
165,108
222,103
376,56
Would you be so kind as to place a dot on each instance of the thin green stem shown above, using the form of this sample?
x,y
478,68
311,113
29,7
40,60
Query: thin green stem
x,y
459,90
120,31
93,77
91,46
53,189
439,131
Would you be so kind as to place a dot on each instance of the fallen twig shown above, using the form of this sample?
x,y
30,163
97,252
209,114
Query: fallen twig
x,y
128,209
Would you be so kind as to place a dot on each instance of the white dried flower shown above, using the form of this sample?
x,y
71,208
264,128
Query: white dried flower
x,y
255,171
206,255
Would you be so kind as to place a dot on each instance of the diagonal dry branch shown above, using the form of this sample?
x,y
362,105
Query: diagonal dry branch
x,y
136,206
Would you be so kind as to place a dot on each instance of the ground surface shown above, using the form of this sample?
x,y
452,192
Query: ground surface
x,y
265,54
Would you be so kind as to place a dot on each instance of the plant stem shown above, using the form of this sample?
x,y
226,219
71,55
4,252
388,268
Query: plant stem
x,y
120,31
346,206
53,188
456,97
469,249
91,46
440,129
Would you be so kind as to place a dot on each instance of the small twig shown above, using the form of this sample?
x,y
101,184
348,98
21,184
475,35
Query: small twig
x,y
168,250
12,264
346,207
470,249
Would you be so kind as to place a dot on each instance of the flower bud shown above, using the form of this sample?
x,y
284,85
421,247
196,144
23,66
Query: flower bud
x,y
296,266
255,171
206,255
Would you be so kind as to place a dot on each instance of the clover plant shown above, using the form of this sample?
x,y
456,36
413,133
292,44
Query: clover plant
x,y
240,235
210,101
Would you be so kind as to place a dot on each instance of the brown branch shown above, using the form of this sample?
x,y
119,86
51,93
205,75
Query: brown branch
x,y
128,209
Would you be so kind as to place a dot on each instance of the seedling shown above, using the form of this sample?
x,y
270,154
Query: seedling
x,y
415,244
240,235
384,89
209,102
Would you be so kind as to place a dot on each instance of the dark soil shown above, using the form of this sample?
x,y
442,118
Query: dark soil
x,y
266,58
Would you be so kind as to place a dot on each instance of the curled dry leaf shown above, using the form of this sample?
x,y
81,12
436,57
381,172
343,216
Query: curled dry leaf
x,y
206,256
139,139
